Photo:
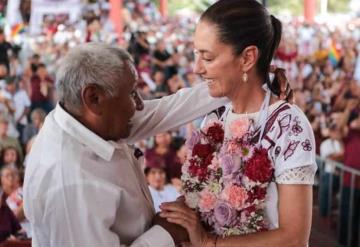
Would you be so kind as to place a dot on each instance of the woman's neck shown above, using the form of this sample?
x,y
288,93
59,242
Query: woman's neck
x,y
249,97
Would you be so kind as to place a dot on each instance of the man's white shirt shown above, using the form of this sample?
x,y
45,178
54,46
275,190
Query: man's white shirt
x,y
81,190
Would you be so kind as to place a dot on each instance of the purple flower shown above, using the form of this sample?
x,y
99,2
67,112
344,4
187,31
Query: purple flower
x,y
224,213
229,164
194,139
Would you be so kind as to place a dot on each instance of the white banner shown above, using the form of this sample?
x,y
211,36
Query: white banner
x,y
13,15
42,8
42,2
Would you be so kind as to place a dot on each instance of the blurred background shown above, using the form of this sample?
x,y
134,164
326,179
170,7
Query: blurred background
x,y
320,51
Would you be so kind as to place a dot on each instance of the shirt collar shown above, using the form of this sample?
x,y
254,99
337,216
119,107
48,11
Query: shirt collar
x,y
104,149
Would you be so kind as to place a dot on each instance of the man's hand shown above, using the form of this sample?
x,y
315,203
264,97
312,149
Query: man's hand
x,y
179,213
178,233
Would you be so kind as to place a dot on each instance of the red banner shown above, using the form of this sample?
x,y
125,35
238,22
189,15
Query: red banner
x,y
116,16
164,8
309,10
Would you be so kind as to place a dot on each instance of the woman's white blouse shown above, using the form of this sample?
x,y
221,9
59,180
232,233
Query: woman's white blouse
x,y
290,141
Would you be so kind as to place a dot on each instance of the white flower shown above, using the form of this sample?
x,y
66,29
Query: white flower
x,y
232,231
185,168
214,187
192,199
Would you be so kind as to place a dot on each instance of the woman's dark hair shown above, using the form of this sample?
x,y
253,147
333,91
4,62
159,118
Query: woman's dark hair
x,y
242,23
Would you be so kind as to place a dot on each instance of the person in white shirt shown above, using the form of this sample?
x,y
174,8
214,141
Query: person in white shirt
x,y
83,183
21,102
156,178
7,108
331,149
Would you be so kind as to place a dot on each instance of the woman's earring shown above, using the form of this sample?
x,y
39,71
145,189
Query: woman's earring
x,y
245,77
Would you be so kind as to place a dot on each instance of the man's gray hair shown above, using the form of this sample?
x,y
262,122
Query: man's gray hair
x,y
90,63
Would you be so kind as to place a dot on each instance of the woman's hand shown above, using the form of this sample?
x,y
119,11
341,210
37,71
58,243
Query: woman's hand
x,y
179,213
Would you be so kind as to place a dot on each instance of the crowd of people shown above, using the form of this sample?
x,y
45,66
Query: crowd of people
x,y
323,66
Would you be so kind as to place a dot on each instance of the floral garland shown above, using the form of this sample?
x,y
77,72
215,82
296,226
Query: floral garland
x,y
226,180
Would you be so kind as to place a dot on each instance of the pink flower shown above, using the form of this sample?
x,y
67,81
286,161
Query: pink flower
x,y
239,127
214,163
235,195
207,201
246,152
194,139
232,147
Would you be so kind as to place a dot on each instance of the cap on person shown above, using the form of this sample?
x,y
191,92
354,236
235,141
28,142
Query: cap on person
x,y
154,163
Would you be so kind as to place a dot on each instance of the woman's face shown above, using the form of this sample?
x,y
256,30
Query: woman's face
x,y
159,77
163,139
8,180
10,156
42,72
215,61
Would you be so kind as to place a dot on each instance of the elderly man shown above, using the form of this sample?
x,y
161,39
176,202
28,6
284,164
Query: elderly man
x,y
83,184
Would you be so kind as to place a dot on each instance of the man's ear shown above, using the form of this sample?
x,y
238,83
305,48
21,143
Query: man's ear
x,y
92,97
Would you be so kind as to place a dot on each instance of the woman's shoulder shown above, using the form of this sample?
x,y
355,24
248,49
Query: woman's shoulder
x,y
290,139
288,127
286,115
295,111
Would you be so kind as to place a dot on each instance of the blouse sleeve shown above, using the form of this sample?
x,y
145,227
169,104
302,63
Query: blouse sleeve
x,y
293,149
298,175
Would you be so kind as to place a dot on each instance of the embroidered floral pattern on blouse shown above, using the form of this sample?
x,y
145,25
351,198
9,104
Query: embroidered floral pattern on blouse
x,y
290,150
306,145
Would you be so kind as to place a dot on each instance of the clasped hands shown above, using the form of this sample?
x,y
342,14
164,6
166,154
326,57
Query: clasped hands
x,y
183,224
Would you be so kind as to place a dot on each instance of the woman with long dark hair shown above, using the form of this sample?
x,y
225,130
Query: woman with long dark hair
x,y
248,179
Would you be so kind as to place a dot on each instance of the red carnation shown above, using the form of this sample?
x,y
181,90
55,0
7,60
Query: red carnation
x,y
202,150
197,171
258,168
249,210
216,133
257,193
193,170
201,173
208,160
